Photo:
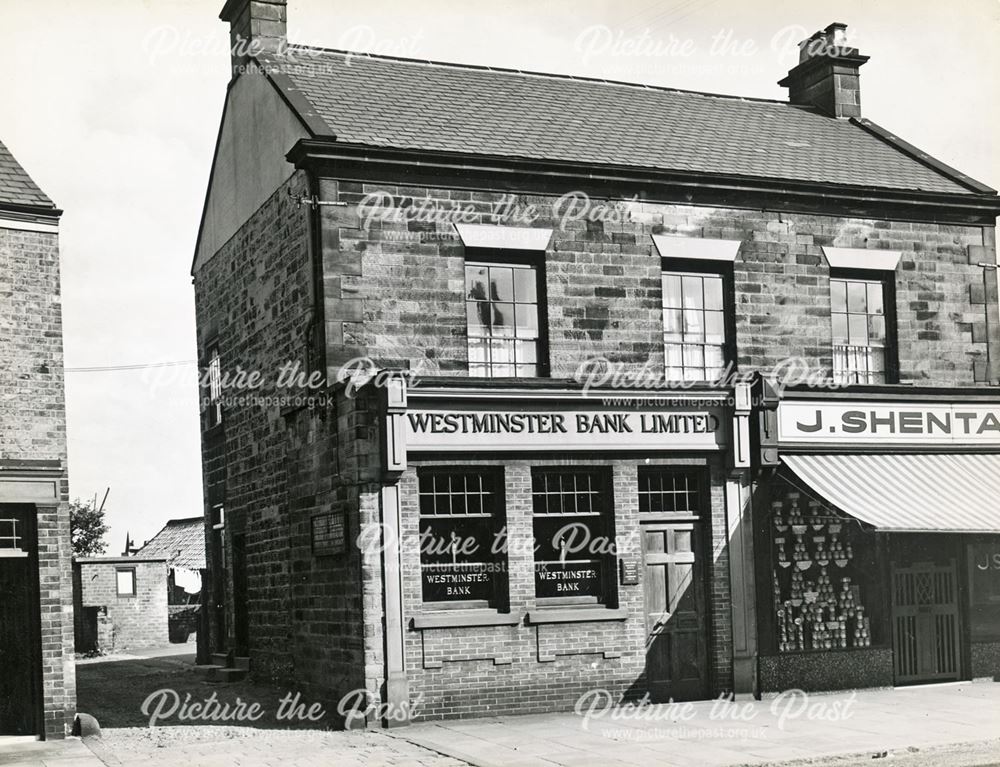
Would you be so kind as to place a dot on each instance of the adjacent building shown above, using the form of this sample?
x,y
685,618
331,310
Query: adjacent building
x,y
121,603
460,482
182,542
38,683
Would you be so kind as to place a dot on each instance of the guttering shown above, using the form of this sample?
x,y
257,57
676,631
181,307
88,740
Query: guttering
x,y
319,153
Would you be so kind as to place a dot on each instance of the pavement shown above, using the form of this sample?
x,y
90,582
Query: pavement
x,y
28,752
870,724
955,725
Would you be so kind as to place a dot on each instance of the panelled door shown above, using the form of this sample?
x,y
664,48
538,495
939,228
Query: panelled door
x,y
19,652
676,641
925,623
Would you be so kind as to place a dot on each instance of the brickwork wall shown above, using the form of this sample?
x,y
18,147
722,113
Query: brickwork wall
x,y
138,621
488,670
33,428
603,284
254,302
336,599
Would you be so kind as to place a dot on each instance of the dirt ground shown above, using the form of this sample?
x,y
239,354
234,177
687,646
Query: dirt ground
x,y
200,746
115,690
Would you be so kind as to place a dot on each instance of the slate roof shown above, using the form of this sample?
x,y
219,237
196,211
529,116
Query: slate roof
x,y
397,103
16,186
181,542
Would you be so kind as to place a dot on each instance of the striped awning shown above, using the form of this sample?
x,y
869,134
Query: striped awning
x,y
908,493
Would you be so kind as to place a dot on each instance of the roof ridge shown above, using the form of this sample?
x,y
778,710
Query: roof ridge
x,y
534,73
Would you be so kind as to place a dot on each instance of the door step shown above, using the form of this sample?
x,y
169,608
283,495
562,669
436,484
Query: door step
x,y
225,667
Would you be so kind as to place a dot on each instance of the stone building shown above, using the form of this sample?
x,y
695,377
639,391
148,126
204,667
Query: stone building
x,y
480,506
38,683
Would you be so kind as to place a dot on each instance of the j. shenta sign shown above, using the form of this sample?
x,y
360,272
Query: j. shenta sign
x,y
860,422
570,429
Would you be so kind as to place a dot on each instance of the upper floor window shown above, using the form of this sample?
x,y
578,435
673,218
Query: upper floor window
x,y
694,326
862,336
501,302
214,410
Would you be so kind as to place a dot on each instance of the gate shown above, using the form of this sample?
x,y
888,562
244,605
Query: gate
x,y
925,623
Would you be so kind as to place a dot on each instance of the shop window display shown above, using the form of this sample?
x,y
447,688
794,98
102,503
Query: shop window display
x,y
818,586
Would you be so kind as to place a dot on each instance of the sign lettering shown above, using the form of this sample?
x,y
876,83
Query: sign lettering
x,y
694,429
889,423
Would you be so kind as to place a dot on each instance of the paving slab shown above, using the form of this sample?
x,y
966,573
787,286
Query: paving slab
x,y
25,752
779,729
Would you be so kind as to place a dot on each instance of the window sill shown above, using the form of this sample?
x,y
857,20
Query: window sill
x,y
463,619
576,615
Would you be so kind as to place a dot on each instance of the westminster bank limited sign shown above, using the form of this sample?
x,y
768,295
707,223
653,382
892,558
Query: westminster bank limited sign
x,y
533,428
883,423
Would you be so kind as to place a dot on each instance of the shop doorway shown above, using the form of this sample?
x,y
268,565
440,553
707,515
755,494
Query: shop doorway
x,y
676,626
20,652
925,623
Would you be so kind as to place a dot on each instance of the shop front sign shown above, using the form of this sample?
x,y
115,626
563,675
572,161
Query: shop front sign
x,y
533,428
888,423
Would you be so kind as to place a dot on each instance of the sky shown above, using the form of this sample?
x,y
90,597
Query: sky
x,y
113,107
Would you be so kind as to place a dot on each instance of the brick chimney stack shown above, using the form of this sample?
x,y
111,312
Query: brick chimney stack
x,y
826,76
255,26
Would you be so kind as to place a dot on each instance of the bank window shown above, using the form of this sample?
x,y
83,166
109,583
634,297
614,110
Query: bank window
x,y
125,581
694,326
501,302
666,491
463,558
213,411
861,333
574,536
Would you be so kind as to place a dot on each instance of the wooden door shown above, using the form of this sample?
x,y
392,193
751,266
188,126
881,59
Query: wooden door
x,y
925,623
20,661
676,624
